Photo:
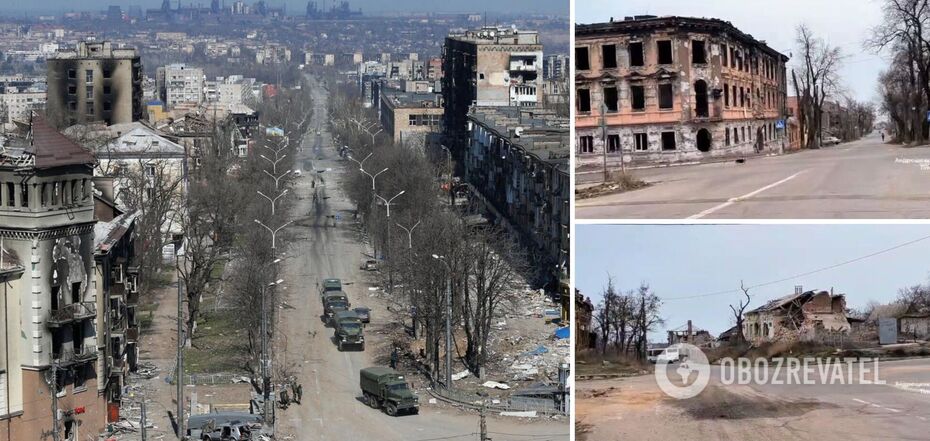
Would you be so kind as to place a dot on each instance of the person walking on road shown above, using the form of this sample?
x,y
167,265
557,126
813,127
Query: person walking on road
x,y
394,357
298,392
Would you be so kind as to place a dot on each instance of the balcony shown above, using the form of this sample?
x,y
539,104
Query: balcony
x,y
72,312
132,334
132,298
69,356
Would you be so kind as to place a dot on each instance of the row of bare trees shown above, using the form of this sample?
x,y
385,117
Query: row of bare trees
x,y
428,248
905,86
624,320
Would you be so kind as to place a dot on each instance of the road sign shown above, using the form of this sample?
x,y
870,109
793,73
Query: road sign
x,y
780,124
887,331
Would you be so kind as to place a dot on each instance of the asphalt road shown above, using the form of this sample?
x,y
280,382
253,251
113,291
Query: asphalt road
x,y
331,409
636,409
865,179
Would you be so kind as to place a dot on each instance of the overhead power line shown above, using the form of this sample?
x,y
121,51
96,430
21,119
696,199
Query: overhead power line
x,y
806,273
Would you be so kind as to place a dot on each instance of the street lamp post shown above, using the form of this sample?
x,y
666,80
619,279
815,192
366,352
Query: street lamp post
x,y
272,200
409,233
373,176
274,163
277,179
388,202
448,376
266,360
273,231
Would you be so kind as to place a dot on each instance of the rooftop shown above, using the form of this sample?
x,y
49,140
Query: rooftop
x,y
540,132
91,50
400,99
43,148
651,23
497,35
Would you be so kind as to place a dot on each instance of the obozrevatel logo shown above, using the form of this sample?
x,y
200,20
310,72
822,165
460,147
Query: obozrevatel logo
x,y
682,371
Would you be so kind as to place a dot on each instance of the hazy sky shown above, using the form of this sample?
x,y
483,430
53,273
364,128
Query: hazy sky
x,y
682,261
543,6
843,23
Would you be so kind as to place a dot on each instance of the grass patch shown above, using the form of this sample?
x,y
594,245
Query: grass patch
x,y
618,183
595,363
219,344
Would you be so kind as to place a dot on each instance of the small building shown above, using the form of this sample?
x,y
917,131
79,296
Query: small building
x,y
799,316
409,116
585,337
915,325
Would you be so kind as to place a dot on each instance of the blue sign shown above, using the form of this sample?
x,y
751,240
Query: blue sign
x,y
780,124
928,116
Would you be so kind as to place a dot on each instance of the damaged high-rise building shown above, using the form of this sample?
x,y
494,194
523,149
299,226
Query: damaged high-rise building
x,y
673,89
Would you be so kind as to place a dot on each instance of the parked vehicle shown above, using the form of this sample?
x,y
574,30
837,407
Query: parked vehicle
x,y
385,388
369,265
831,140
223,426
348,330
363,313
670,354
330,285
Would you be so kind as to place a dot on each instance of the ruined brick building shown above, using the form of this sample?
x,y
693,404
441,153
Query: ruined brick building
x,y
799,316
672,89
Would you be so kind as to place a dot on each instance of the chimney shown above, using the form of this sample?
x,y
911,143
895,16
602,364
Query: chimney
x,y
689,332
798,289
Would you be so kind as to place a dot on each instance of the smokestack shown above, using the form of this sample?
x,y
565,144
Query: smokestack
x,y
689,332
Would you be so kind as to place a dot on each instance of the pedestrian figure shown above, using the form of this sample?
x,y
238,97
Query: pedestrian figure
x,y
298,392
284,399
883,136
394,358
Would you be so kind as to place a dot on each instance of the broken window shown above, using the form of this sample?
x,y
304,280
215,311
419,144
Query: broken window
x,y
668,141
636,54
586,144
703,140
641,142
732,57
665,51
638,97
735,136
742,98
76,292
584,100
700,99
610,98
726,95
613,143
72,73
723,56
581,58
666,100
698,56
609,53
726,133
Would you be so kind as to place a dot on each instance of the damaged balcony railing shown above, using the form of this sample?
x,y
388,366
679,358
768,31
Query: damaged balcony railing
x,y
69,356
72,312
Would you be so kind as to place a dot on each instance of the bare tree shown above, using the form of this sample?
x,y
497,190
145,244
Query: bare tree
x,y
820,64
738,313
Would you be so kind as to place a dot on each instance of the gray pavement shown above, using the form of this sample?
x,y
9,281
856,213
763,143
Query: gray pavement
x,y
331,409
636,409
865,179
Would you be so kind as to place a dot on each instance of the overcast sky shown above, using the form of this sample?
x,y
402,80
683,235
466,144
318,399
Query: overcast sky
x,y
691,260
844,23
560,7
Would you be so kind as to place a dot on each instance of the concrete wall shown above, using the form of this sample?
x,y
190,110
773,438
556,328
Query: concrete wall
x,y
124,97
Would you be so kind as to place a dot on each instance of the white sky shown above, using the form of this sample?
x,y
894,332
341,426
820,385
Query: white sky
x,y
844,23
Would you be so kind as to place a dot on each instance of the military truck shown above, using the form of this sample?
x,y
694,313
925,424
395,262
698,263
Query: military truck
x,y
330,285
387,389
348,330
334,301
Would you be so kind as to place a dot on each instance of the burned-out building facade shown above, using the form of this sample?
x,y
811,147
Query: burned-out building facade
x,y
653,90
801,316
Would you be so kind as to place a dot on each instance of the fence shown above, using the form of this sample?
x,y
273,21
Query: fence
x,y
209,378
541,406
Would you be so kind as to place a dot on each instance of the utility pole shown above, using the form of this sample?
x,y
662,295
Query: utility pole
x,y
180,373
143,430
484,427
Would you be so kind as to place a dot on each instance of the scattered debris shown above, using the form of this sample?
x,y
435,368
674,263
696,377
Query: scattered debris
x,y
496,385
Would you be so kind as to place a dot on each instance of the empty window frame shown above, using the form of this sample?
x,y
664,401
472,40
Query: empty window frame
x,y
609,55
641,142
581,58
638,97
669,141
698,54
584,100
666,99
723,56
636,54
726,95
610,98
586,144
613,143
664,48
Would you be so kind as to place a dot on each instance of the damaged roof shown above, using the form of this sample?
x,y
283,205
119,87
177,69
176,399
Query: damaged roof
x,y
52,149
781,302
108,234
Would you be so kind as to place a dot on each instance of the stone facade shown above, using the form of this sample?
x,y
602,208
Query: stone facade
x,y
675,89
800,316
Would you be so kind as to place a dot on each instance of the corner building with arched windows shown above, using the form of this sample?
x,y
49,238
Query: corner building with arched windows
x,y
675,89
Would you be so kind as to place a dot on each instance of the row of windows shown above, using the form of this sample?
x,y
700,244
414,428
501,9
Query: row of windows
x,y
424,120
731,57
668,139
50,193
89,90
637,97
89,107
742,97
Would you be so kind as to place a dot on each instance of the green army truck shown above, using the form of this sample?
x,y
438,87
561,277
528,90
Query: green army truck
x,y
387,389
348,330
330,285
334,301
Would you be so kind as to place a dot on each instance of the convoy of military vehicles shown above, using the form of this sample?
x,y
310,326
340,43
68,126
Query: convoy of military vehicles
x,y
382,387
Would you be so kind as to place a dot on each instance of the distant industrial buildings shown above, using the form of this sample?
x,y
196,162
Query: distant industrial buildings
x,y
94,82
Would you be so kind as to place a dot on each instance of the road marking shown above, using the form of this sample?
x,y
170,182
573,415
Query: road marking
x,y
732,201
876,405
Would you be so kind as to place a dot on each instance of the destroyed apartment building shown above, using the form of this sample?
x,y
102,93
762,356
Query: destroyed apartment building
x,y
673,89
803,315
